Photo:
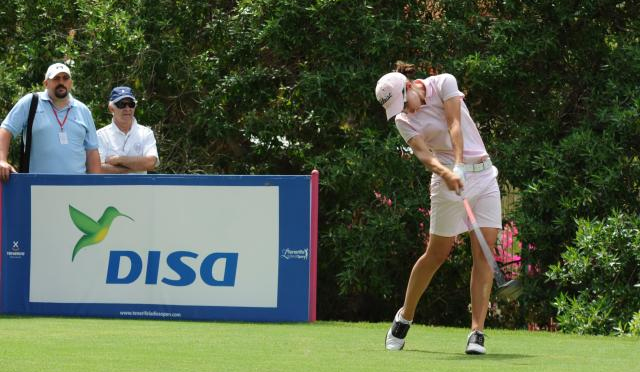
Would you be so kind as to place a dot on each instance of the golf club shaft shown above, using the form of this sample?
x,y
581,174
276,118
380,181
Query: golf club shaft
x,y
497,274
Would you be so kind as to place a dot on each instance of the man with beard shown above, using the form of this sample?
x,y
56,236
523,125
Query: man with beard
x,y
64,139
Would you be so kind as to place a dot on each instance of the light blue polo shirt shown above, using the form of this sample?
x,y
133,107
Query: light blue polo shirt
x,y
48,155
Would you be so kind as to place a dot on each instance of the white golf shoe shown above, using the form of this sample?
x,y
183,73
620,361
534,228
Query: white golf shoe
x,y
397,332
475,343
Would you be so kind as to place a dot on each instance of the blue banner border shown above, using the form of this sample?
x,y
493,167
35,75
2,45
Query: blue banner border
x,y
294,233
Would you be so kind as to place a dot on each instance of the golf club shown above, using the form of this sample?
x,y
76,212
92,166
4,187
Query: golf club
x,y
510,290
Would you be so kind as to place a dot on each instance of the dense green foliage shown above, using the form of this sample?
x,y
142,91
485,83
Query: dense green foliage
x,y
600,277
286,86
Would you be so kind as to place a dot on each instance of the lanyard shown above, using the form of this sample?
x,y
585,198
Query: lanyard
x,y
64,121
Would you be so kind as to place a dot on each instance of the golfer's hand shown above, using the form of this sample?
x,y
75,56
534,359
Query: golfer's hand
x,y
455,180
5,170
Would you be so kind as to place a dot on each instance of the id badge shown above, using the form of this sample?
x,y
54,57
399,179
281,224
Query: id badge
x,y
63,138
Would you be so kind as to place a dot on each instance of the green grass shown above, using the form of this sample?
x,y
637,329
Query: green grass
x,y
30,344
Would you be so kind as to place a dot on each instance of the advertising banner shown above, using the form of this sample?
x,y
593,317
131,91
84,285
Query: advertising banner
x,y
159,246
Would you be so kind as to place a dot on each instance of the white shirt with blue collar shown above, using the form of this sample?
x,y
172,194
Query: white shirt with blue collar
x,y
49,153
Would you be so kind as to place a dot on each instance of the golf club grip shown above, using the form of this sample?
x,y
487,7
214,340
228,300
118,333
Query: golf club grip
x,y
483,244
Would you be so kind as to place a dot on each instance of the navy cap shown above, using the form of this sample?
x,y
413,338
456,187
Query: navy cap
x,y
119,93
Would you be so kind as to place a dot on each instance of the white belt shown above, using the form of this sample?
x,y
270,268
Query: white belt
x,y
477,167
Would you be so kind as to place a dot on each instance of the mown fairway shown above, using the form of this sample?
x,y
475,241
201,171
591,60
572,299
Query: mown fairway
x,y
87,345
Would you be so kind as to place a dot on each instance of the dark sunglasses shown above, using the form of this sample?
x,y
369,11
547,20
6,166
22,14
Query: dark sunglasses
x,y
123,104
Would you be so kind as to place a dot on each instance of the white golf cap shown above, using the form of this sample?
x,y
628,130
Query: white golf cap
x,y
55,69
390,92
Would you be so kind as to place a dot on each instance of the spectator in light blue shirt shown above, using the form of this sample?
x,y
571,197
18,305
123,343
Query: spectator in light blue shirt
x,y
64,139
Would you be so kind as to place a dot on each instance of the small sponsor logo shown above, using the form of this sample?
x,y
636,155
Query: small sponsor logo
x,y
295,254
15,251
385,99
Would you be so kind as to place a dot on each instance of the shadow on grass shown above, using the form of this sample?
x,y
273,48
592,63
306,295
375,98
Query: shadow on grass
x,y
462,356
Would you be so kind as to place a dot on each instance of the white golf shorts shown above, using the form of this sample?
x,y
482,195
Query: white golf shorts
x,y
448,216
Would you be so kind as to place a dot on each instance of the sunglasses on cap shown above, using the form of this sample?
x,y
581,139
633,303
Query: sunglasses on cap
x,y
123,104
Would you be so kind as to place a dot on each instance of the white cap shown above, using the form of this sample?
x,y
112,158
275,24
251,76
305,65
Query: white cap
x,y
55,69
390,93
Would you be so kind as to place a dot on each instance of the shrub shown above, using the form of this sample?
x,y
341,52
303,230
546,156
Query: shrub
x,y
597,274
634,325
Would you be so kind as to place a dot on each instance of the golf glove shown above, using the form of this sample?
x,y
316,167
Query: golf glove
x,y
458,170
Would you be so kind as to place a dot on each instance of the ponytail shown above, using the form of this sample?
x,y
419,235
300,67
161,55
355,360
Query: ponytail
x,y
407,69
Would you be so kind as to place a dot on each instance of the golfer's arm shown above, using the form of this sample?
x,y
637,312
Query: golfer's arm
x,y
452,114
426,157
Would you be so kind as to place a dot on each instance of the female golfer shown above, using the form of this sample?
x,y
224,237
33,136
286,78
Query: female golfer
x,y
434,120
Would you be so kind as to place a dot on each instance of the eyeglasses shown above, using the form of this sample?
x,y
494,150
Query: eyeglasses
x,y
123,104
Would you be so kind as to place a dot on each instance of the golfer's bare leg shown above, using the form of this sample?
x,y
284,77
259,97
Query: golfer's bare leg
x,y
481,278
436,253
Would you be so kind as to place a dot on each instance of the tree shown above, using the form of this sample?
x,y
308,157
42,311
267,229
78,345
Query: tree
x,y
283,87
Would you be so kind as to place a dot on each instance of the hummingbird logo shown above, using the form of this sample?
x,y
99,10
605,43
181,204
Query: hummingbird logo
x,y
94,232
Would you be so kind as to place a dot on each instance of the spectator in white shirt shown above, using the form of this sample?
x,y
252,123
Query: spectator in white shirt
x,y
124,145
